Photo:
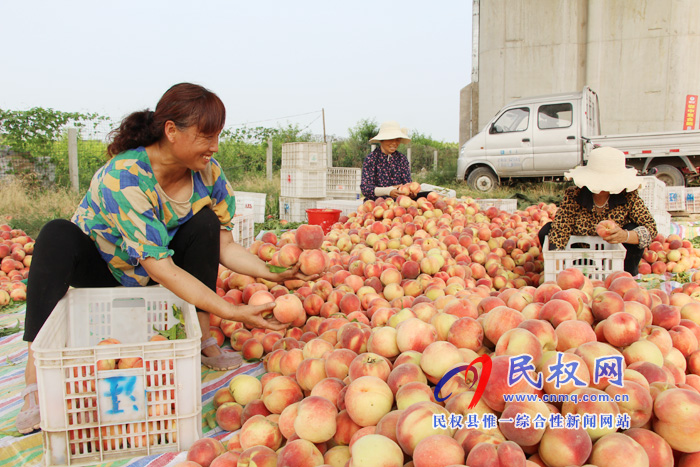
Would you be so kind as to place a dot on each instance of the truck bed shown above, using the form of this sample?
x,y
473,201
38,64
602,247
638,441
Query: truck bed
x,y
680,143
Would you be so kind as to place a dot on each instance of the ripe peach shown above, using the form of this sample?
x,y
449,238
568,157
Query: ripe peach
x,y
621,329
561,447
299,453
368,399
252,350
369,364
616,449
245,388
413,392
499,320
666,316
316,419
259,456
416,423
403,374
313,262
288,308
382,341
227,459
309,372
337,363
570,278
260,431
228,416
376,449
658,451
205,450
523,436
505,453
676,419
309,237
281,392
414,334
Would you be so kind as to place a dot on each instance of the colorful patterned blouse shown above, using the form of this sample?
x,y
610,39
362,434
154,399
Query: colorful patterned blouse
x,y
576,217
129,216
380,170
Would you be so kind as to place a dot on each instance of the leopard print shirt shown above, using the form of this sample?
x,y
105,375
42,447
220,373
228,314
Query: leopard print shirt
x,y
574,219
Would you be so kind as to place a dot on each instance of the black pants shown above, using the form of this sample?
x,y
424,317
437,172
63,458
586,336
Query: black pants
x,y
65,257
632,258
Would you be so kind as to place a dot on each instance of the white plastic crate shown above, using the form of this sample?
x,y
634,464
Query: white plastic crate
x,y
663,222
243,229
692,200
597,260
675,198
297,183
304,156
251,202
343,183
508,205
438,189
653,193
346,206
294,209
89,416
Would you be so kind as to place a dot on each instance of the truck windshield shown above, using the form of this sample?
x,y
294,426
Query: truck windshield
x,y
512,120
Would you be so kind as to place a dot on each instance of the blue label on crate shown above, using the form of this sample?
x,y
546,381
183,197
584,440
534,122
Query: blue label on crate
x,y
121,398
673,197
690,197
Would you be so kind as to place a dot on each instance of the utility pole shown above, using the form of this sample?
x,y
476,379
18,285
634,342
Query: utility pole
x,y
323,117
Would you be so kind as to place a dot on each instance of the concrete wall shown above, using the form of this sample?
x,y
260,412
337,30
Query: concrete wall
x,y
641,56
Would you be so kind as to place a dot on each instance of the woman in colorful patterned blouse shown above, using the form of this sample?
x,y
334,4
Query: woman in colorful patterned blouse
x,y
158,212
605,190
385,168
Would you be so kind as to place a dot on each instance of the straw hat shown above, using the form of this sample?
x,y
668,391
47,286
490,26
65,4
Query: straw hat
x,y
391,130
605,171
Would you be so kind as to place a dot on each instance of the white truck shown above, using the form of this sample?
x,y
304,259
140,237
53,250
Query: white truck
x,y
543,137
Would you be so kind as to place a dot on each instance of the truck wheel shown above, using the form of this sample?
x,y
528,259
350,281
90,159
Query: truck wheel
x,y
670,175
482,179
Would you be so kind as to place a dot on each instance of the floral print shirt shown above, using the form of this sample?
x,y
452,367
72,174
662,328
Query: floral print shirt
x,y
381,170
573,218
129,216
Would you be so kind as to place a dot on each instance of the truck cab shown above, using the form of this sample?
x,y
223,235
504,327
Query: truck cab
x,y
533,137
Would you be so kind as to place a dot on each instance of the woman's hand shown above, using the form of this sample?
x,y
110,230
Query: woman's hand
x,y
394,193
294,273
616,235
252,316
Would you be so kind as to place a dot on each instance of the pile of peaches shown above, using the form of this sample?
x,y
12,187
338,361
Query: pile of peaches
x,y
412,289
16,249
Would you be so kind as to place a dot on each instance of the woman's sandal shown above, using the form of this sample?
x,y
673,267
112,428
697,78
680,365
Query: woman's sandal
x,y
29,419
224,361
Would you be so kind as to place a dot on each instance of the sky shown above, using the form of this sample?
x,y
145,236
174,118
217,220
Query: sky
x,y
384,60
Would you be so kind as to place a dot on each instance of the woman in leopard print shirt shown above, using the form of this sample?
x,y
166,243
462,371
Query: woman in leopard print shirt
x,y
605,190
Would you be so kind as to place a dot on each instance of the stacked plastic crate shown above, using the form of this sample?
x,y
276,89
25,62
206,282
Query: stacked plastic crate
x,y
656,197
302,179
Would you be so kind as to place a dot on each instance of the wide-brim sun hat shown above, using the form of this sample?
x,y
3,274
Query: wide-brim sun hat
x,y
391,130
605,171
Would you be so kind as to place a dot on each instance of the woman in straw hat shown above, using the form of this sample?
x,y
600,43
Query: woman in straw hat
x,y
385,168
605,190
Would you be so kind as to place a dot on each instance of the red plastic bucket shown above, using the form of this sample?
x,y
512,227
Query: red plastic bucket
x,y
323,217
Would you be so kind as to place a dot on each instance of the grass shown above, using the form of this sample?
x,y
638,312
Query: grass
x,y
24,206
27,207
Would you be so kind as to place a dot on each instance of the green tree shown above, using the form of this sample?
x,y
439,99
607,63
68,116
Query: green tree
x,y
351,151
35,131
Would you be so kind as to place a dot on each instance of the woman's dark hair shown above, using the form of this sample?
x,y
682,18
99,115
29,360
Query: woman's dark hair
x,y
184,104
585,199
